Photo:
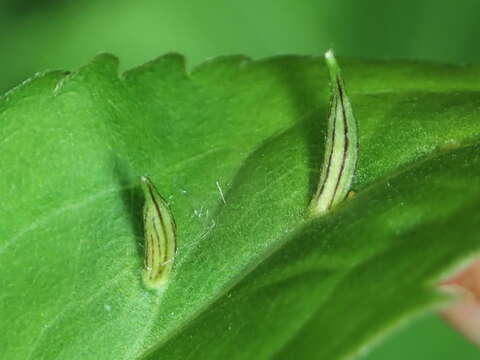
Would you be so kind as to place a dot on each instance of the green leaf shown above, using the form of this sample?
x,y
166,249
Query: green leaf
x,y
253,278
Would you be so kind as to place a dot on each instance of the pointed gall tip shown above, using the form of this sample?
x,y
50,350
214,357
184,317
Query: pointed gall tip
x,y
331,61
329,55
145,183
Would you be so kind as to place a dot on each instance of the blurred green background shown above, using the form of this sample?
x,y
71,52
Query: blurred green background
x,y
43,34
37,35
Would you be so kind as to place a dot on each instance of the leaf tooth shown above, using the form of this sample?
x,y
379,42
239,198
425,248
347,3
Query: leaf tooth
x,y
341,147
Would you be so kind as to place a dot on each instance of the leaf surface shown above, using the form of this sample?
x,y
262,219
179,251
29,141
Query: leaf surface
x,y
253,276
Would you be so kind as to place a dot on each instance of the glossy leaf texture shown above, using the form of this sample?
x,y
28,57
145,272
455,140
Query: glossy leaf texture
x,y
253,276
